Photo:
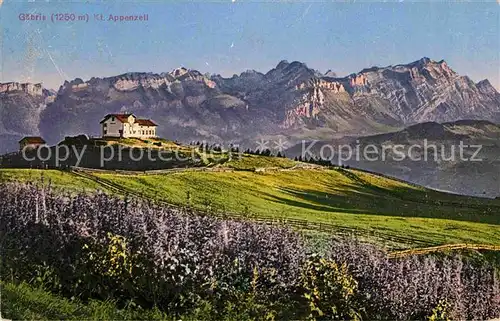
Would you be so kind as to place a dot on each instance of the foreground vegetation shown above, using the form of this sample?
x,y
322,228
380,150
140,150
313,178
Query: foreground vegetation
x,y
133,256
26,302
332,200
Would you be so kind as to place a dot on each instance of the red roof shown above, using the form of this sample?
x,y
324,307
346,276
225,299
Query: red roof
x,y
32,140
121,117
145,122
124,119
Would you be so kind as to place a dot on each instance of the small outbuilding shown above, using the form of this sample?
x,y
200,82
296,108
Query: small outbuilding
x,y
31,142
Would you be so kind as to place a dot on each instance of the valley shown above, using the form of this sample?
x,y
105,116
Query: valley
x,y
427,154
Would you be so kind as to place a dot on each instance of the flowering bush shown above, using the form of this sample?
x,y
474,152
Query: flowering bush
x,y
328,290
418,287
98,246
111,248
112,260
440,313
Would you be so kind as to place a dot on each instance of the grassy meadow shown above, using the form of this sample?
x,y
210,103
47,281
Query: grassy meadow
x,y
25,302
345,200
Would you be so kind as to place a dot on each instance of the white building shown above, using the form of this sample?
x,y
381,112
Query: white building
x,y
127,125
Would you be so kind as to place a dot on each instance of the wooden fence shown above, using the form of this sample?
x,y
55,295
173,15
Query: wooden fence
x,y
443,248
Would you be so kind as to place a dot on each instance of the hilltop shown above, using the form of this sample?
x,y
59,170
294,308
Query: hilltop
x,y
135,154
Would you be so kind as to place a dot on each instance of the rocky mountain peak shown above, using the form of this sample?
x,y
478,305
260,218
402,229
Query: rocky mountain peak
x,y
282,64
28,88
290,74
285,67
484,83
486,87
423,61
435,68
298,66
250,72
179,72
330,73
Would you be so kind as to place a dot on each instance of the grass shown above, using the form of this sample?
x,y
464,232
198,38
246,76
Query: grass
x,y
343,199
346,200
25,302
58,179
252,162
137,142
210,158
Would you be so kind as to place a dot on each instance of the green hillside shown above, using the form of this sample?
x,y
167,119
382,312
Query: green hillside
x,y
25,302
331,200
342,198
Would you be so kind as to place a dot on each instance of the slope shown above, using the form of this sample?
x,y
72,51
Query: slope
x,y
329,200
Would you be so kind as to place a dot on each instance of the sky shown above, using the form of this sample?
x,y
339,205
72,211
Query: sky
x,y
229,37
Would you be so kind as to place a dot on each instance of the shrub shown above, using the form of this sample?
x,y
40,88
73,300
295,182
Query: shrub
x,y
412,287
328,290
138,253
111,260
441,312
127,250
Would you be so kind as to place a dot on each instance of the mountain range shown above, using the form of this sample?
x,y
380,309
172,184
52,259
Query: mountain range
x,y
432,155
291,101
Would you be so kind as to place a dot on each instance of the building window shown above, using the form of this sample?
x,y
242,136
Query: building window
x,y
112,118
105,132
